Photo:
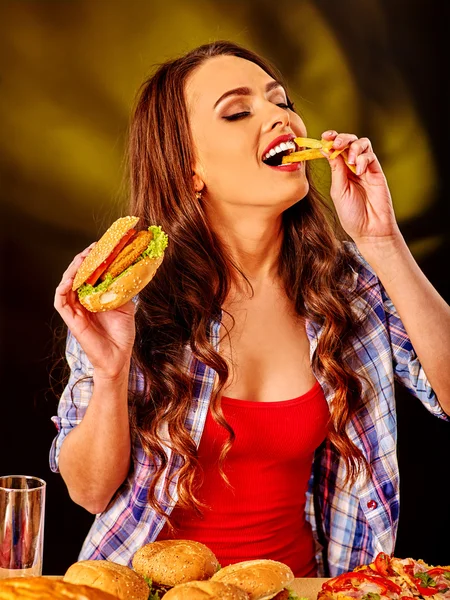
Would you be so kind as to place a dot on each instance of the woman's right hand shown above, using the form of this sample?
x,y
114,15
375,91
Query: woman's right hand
x,y
106,337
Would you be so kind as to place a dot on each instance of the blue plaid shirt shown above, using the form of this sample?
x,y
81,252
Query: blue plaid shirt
x,y
351,524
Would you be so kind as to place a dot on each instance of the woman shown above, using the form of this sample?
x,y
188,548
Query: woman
x,y
264,339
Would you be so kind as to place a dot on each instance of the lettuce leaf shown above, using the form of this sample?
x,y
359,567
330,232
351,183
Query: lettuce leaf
x,y
153,595
158,244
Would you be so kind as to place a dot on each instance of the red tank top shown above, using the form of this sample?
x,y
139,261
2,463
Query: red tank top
x,y
268,466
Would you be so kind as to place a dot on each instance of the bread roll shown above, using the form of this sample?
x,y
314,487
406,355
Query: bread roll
x,y
205,590
261,579
119,580
171,562
43,588
124,288
119,245
103,248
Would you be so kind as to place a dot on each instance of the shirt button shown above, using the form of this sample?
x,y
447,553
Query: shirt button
x,y
372,504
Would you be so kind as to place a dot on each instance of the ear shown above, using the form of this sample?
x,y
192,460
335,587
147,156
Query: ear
x,y
197,178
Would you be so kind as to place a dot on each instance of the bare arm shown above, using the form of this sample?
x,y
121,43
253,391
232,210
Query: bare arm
x,y
95,456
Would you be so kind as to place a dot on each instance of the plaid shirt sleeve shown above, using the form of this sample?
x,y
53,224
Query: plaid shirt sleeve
x,y
74,399
407,368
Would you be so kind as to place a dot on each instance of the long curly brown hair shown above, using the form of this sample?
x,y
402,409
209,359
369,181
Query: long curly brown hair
x,y
176,311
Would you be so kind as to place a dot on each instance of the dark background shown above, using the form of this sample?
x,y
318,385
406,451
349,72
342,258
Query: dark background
x,y
69,71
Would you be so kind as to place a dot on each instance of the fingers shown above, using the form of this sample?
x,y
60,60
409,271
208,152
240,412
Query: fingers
x,y
359,151
340,140
65,301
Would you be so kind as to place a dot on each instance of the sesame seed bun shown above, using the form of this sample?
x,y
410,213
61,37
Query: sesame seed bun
x,y
171,562
124,286
261,579
42,588
205,590
103,249
119,580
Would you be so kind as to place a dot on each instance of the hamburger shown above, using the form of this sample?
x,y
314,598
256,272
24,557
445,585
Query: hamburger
x,y
120,265
43,588
118,580
205,590
261,579
168,563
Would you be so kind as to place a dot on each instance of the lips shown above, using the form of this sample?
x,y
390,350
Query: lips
x,y
280,139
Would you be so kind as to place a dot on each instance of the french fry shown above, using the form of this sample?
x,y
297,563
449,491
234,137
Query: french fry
x,y
302,155
310,142
315,149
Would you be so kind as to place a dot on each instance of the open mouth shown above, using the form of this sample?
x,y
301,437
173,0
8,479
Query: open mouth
x,y
274,157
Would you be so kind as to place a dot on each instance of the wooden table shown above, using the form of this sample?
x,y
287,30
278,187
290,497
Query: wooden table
x,y
308,587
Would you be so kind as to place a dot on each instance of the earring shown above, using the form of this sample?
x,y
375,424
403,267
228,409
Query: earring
x,y
198,195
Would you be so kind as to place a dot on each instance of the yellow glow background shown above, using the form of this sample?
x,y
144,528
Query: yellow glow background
x,y
71,69
69,73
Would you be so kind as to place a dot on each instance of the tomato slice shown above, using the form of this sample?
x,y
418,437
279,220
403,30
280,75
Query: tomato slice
x,y
426,591
425,584
348,580
438,571
354,579
382,563
107,262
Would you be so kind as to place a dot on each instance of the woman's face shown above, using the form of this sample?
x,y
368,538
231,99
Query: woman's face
x,y
236,112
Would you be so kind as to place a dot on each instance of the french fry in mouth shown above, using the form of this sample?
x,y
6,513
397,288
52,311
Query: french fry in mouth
x,y
314,150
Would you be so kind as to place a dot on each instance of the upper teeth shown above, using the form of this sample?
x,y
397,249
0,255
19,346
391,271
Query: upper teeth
x,y
280,148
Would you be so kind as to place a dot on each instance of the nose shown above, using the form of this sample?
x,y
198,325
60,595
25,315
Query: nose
x,y
276,117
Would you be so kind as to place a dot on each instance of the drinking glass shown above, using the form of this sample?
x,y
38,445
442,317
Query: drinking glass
x,y
22,511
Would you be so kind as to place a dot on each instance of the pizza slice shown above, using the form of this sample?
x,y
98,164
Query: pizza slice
x,y
424,580
361,584
389,578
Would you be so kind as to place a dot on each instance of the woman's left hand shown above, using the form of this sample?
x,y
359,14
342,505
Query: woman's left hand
x,y
362,200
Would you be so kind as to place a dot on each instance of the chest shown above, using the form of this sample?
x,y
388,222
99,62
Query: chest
x,y
285,432
266,347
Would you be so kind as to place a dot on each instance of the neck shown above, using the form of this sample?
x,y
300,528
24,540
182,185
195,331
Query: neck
x,y
253,238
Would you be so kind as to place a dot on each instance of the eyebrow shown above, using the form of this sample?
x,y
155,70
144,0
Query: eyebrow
x,y
245,91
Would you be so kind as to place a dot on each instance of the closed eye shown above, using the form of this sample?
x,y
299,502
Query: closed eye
x,y
237,116
244,114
